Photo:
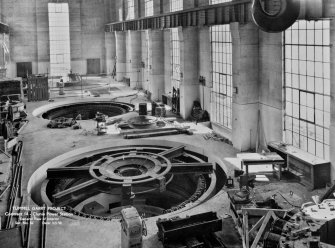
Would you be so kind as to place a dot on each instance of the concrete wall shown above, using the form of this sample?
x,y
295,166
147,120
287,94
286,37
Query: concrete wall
x,y
245,80
29,39
204,67
167,62
189,87
270,76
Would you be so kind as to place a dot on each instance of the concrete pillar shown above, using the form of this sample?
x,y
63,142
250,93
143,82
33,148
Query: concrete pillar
x,y
157,67
158,7
205,66
167,62
203,3
118,6
165,5
271,91
332,99
188,4
189,87
110,48
245,83
140,9
120,55
135,59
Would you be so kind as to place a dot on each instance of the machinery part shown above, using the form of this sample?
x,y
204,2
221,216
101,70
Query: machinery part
x,y
132,228
271,240
142,122
142,109
322,212
121,169
101,123
278,226
160,111
144,170
327,231
201,187
288,14
178,229
329,194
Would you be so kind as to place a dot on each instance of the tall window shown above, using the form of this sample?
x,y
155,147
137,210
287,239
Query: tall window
x,y
131,9
59,34
175,58
221,97
176,5
149,7
307,86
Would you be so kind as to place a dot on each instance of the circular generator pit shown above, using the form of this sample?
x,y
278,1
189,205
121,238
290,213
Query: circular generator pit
x,y
86,108
155,176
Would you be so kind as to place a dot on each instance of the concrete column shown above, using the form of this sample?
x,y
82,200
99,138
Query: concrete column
x,y
145,71
189,87
157,67
110,48
203,3
245,82
188,4
165,5
42,37
205,66
135,59
332,99
140,9
120,55
271,91
118,5
158,8
167,62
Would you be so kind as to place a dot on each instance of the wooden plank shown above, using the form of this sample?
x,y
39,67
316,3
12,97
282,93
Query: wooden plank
x,y
263,211
246,229
258,224
261,230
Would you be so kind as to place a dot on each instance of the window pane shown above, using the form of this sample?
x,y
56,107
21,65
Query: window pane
x,y
221,44
307,71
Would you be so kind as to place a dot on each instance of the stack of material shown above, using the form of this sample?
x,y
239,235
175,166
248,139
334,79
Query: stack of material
x,y
61,122
135,134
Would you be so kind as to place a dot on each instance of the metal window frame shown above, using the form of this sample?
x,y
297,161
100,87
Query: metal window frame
x,y
221,93
295,52
176,5
55,44
175,59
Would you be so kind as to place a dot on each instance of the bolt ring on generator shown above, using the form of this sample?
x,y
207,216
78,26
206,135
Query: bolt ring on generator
x,y
130,168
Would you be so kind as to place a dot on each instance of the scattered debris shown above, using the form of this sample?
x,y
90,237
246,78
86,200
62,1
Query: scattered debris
x,y
63,122
216,137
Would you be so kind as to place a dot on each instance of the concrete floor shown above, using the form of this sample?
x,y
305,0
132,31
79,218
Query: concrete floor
x,y
42,144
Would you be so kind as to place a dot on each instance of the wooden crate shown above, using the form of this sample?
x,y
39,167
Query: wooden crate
x,y
38,89
314,172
